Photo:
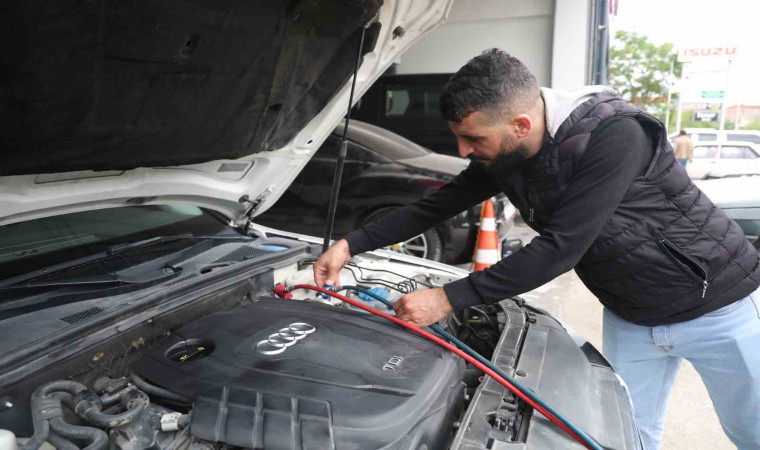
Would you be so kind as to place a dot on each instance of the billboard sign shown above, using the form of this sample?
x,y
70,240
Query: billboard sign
x,y
713,94
687,54
706,116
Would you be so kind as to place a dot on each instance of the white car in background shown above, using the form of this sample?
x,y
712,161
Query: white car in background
x,y
722,159
712,135
739,198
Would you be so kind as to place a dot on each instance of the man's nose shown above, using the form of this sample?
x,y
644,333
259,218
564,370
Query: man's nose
x,y
465,149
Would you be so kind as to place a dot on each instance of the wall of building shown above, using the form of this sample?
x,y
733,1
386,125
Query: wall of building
x,y
524,29
550,36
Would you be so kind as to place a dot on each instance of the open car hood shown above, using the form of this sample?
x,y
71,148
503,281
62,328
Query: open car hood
x,y
109,103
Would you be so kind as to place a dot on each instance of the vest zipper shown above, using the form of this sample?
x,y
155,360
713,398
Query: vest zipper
x,y
688,263
530,218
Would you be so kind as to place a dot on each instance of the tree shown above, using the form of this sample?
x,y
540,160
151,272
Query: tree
x,y
639,71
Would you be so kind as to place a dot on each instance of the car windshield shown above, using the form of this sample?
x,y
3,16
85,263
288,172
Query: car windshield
x,y
35,244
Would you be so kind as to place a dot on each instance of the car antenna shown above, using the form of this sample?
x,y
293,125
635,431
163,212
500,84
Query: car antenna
x,y
341,156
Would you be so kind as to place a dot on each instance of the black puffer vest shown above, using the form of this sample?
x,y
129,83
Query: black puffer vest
x,y
667,254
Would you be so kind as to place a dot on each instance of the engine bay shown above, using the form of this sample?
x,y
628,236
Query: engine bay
x,y
237,368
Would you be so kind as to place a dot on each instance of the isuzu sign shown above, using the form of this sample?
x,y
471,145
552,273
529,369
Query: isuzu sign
x,y
687,54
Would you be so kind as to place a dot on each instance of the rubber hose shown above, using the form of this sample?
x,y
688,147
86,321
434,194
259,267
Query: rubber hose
x,y
110,400
586,441
42,425
158,391
41,434
73,387
464,347
60,442
98,418
97,438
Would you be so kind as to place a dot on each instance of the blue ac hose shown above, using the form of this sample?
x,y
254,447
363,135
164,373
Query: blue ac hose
x,y
465,348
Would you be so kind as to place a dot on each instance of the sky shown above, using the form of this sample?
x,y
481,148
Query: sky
x,y
703,22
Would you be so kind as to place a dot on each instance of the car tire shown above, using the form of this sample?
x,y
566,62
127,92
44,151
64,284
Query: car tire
x,y
427,245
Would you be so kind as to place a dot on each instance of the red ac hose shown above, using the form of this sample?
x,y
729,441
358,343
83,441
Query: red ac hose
x,y
455,350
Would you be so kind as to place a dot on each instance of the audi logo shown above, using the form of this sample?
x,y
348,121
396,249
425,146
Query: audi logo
x,y
278,342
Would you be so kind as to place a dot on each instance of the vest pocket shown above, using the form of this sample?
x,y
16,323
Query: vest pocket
x,y
685,263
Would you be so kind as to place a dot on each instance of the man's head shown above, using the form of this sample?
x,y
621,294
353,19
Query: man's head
x,y
494,107
682,133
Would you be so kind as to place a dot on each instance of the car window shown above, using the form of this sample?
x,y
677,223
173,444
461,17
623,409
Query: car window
x,y
703,137
35,244
412,101
705,151
736,152
744,137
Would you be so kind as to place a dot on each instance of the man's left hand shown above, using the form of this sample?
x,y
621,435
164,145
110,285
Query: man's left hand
x,y
423,308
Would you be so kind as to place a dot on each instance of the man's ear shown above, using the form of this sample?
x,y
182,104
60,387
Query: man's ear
x,y
522,125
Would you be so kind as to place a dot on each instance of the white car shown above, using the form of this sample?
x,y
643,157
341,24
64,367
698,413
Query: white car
x,y
712,135
739,198
141,140
724,159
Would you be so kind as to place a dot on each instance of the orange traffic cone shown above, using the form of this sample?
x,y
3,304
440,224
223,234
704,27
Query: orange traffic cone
x,y
487,245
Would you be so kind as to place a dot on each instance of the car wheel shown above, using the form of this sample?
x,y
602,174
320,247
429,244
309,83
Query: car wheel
x,y
427,245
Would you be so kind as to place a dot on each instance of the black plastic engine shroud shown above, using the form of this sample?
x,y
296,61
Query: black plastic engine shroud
x,y
334,388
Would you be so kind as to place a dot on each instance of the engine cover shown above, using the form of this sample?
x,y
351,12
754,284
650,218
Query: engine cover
x,y
331,379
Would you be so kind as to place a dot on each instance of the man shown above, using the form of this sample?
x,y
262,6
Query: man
x,y
683,149
596,177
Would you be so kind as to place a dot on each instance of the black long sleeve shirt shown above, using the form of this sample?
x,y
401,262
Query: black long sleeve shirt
x,y
618,151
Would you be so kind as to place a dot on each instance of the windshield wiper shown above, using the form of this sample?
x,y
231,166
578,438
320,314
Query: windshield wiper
x,y
92,282
122,248
112,251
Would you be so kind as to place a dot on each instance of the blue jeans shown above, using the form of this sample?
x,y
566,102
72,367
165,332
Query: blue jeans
x,y
683,161
723,346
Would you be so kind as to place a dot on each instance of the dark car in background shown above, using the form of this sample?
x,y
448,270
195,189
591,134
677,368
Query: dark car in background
x,y
383,171
409,105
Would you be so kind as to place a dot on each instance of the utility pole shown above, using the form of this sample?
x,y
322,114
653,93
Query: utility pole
x,y
684,69
738,116
725,97
667,105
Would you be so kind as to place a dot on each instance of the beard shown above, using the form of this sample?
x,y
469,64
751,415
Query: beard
x,y
512,153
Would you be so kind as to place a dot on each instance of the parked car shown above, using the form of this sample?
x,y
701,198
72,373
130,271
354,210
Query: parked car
x,y
721,159
382,172
409,105
739,197
141,140
713,135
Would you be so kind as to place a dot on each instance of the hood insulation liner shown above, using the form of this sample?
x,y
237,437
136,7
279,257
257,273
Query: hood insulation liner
x,y
106,85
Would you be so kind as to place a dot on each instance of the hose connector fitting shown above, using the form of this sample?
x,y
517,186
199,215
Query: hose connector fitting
x,y
282,291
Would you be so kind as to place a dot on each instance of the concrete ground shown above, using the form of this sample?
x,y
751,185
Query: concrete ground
x,y
690,421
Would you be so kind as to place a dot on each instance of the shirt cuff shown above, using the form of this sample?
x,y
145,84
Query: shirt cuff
x,y
462,294
358,242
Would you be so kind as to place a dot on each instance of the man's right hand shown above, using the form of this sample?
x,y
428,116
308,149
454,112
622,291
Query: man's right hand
x,y
327,268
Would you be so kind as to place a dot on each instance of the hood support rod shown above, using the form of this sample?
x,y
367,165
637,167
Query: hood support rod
x,y
341,156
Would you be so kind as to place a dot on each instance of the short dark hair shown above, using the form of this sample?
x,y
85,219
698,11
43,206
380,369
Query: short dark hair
x,y
493,82
682,133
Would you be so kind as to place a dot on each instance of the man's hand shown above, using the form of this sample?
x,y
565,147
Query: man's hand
x,y
327,268
423,308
